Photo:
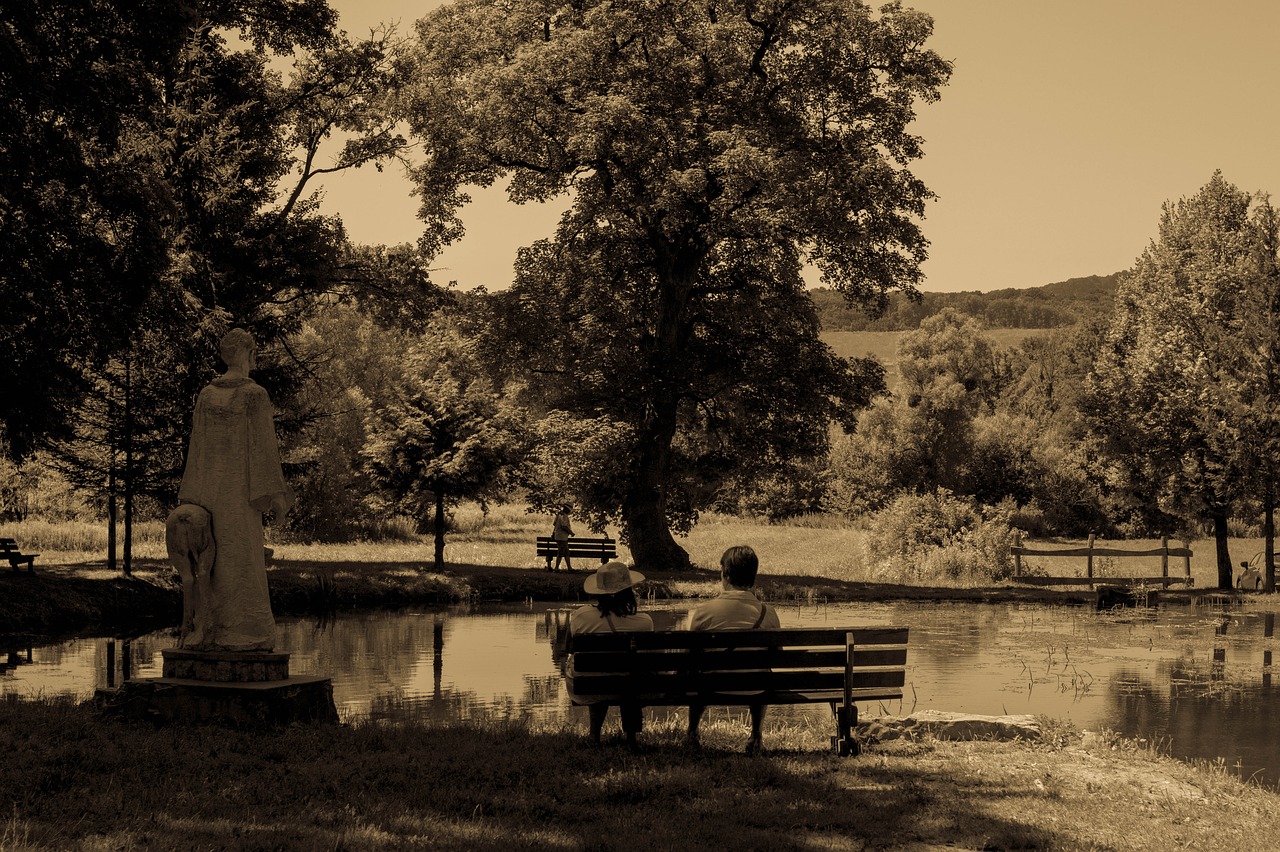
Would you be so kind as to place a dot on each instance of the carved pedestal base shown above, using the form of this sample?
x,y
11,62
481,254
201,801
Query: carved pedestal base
x,y
243,688
225,666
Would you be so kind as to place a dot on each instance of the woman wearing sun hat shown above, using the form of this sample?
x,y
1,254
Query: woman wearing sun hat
x,y
612,611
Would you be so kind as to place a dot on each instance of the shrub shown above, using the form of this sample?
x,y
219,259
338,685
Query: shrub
x,y
938,536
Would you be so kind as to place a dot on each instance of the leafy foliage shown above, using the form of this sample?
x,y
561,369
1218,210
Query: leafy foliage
x,y
446,434
709,149
1165,389
937,534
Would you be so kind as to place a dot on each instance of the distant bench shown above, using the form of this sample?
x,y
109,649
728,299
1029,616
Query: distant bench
x,y
603,549
833,665
9,550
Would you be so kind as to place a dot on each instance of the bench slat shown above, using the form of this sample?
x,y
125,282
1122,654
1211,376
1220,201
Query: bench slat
x,y
715,699
692,684
686,639
741,658
599,547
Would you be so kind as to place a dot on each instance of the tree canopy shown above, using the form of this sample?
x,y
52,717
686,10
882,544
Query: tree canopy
x,y
709,150
1169,387
155,173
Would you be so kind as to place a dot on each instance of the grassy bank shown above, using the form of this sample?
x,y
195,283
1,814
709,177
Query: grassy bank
x,y
814,546
490,557
72,781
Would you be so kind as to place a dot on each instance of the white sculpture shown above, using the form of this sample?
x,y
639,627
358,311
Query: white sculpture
x,y
233,472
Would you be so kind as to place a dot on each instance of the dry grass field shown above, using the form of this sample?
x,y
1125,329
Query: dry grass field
x,y
884,345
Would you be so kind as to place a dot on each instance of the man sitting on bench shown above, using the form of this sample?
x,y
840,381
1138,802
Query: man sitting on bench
x,y
737,608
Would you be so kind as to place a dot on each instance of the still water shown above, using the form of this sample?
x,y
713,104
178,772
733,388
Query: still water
x,y
1198,681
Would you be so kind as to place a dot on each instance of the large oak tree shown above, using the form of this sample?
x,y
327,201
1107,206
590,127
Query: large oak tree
x,y
710,149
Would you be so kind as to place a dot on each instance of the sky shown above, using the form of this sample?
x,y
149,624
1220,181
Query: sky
x,y
1064,128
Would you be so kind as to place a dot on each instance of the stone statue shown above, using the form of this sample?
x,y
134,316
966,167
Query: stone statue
x,y
233,473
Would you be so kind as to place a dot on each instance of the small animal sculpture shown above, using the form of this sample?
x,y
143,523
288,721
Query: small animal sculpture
x,y
188,536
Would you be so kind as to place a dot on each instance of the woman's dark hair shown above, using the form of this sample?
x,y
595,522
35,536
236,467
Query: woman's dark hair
x,y
618,603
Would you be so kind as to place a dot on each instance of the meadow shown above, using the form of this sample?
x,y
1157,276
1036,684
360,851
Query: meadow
x,y
818,546
883,345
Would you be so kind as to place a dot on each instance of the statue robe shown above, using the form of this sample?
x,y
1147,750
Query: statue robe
x,y
233,471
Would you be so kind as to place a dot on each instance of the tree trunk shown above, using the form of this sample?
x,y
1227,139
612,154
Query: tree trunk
x,y
111,516
438,529
1220,536
1269,531
644,511
128,470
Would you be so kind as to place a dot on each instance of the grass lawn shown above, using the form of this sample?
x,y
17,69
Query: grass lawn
x,y
70,780
811,546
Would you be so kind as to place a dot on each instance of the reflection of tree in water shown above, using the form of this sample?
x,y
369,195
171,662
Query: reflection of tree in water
x,y
369,650
12,656
949,634
542,689
1202,708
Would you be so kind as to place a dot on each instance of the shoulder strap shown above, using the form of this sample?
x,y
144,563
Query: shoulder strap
x,y
760,618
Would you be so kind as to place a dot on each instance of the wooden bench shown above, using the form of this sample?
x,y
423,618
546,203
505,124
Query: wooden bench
x,y
833,665
603,549
9,550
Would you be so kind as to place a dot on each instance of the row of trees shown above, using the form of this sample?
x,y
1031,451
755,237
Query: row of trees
x,y
1160,419
1057,305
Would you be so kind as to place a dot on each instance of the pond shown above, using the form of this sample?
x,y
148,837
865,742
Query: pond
x,y
1196,681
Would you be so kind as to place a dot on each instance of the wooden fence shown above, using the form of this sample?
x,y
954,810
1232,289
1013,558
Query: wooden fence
x,y
1089,552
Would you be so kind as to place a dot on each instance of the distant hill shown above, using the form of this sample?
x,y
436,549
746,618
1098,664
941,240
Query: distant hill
x,y
1051,306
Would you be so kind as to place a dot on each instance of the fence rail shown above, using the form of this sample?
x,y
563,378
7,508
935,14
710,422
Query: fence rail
x,y
1089,552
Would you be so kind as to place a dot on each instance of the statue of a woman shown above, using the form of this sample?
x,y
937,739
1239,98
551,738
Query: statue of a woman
x,y
233,472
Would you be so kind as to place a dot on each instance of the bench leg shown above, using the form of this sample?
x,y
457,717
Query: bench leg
x,y
844,743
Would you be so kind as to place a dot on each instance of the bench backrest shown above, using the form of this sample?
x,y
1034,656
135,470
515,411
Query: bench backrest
x,y
788,665
601,548
7,544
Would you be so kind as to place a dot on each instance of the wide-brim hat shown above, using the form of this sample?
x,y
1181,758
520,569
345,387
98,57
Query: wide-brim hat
x,y
611,578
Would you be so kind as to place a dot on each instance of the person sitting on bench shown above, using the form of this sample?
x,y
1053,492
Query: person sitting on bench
x,y
613,611
737,608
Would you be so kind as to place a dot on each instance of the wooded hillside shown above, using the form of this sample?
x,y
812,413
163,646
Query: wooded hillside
x,y
1051,306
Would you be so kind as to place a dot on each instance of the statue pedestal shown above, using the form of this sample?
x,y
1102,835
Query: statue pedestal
x,y
236,687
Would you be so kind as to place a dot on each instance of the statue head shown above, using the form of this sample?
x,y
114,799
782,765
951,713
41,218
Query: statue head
x,y
238,350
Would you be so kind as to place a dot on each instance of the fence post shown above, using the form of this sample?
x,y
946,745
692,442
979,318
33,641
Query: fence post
x,y
1017,553
1090,557
1186,542
1164,558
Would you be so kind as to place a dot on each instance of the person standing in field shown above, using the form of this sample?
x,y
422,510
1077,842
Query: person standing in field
x,y
560,531
736,608
614,610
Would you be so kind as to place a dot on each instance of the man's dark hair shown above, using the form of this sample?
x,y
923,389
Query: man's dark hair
x,y
739,565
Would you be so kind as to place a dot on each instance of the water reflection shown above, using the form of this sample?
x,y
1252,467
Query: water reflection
x,y
1198,681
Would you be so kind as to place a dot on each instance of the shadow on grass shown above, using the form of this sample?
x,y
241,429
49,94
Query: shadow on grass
x,y
71,779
